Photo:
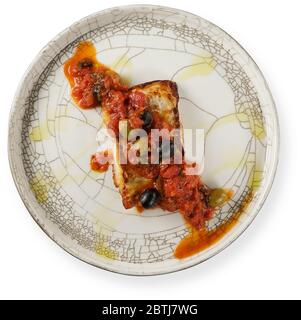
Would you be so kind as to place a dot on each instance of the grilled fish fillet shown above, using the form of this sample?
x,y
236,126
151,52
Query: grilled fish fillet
x,y
161,98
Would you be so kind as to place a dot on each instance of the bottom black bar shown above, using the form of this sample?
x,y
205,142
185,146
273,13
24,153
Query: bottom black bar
x,y
118,309
90,310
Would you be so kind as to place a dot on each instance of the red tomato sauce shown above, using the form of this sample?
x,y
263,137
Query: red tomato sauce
x,y
100,161
90,80
95,85
199,240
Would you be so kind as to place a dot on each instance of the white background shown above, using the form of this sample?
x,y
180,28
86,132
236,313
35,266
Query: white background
x,y
266,260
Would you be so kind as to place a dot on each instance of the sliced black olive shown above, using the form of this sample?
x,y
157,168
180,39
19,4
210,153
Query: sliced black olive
x,y
206,194
149,198
147,119
85,63
166,149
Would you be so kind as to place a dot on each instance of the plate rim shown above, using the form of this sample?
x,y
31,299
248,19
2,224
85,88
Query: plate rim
x,y
258,205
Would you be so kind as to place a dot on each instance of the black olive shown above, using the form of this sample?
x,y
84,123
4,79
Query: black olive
x,y
206,200
147,119
149,198
204,190
166,149
85,63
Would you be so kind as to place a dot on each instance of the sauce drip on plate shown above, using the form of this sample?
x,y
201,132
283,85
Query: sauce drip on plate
x,y
199,240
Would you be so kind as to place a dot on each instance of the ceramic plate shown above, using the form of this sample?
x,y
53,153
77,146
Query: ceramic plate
x,y
50,139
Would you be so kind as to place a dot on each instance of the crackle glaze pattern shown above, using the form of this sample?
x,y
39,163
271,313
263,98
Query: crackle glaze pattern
x,y
51,139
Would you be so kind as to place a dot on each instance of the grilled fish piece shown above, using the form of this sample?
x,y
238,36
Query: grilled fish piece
x,y
161,100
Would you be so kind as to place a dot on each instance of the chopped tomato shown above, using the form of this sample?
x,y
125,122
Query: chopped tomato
x,y
137,100
114,105
169,171
100,161
136,106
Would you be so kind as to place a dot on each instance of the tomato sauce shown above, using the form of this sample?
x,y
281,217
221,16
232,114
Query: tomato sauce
x,y
95,85
100,161
199,240
89,79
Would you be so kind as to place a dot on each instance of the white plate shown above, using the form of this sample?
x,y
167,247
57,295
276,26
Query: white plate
x,y
50,139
